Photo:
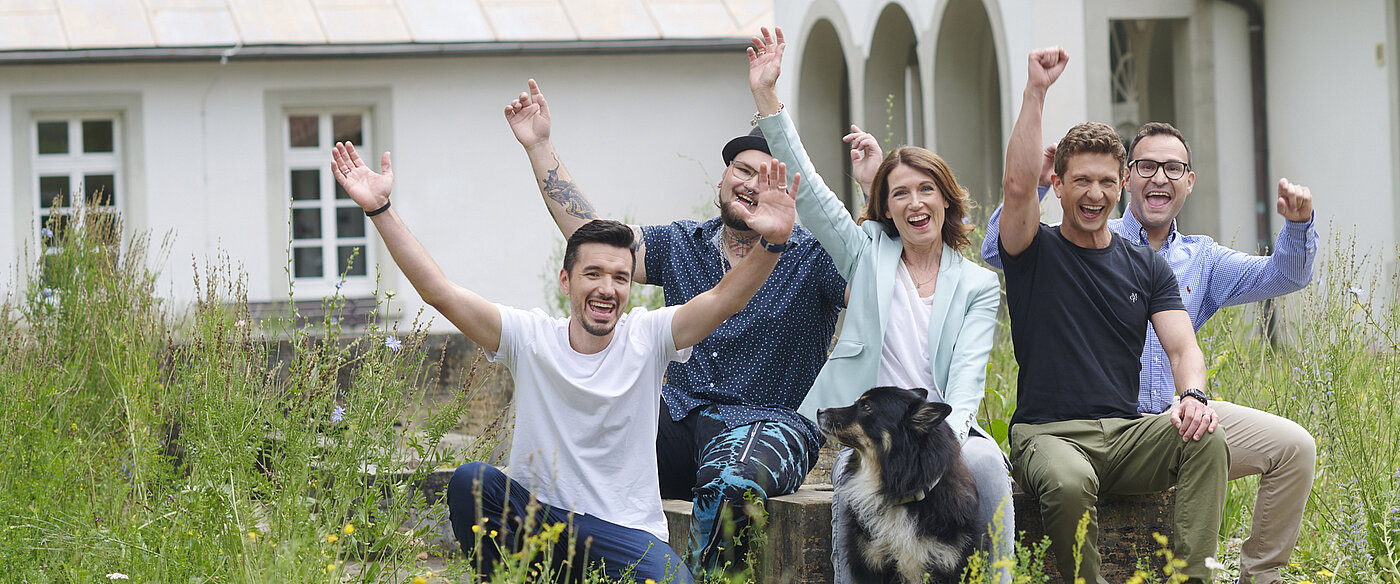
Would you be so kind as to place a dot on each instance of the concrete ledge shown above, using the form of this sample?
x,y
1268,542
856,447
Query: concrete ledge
x,y
798,548
1126,525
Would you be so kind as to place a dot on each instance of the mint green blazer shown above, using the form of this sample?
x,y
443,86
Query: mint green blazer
x,y
965,301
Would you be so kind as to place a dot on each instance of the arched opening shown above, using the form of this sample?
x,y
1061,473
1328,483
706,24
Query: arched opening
x,y
825,115
967,102
893,98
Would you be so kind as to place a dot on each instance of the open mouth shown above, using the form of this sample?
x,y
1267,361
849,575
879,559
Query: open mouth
x,y
1092,212
747,198
919,220
1158,199
601,309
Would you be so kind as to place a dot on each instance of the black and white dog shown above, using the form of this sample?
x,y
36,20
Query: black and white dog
x,y
911,504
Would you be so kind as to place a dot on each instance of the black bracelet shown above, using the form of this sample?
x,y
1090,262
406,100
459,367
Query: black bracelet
x,y
378,211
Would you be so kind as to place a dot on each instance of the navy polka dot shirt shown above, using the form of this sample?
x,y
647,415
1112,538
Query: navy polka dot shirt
x,y
759,364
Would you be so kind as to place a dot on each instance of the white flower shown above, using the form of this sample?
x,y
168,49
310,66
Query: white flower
x,y
117,576
1214,564
1357,292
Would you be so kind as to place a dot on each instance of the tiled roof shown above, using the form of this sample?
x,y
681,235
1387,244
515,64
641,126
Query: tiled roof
x,y
28,25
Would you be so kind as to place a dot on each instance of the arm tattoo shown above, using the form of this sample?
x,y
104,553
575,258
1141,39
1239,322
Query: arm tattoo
x,y
567,194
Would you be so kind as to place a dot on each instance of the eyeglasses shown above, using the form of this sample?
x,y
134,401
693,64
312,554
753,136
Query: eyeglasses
x,y
1148,168
743,171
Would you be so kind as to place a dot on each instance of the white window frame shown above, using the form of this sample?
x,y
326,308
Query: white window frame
x,y
280,106
75,165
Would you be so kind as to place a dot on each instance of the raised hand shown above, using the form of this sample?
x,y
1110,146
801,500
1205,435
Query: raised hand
x,y
1047,166
528,116
1045,66
776,210
866,157
370,190
766,60
1294,201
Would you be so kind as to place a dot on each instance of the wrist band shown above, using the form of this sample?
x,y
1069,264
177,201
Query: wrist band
x,y
378,211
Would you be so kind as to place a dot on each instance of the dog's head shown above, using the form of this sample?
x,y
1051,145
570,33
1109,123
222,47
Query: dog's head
x,y
890,421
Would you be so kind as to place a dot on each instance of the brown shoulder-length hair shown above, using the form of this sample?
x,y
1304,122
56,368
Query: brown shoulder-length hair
x,y
955,228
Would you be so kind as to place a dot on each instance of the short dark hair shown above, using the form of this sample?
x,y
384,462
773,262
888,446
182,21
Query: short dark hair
x,y
1160,129
605,231
1089,138
954,231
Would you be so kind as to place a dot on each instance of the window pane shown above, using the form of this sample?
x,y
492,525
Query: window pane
x,y
53,137
340,192
361,266
303,131
101,189
306,224
97,135
349,222
347,129
306,185
52,229
53,191
306,262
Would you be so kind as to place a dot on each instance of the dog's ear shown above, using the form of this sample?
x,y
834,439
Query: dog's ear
x,y
929,414
921,392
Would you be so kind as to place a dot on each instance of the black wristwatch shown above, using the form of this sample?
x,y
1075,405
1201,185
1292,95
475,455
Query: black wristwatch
x,y
1196,393
774,247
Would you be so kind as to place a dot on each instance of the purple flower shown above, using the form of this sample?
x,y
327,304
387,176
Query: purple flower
x,y
393,343
1357,292
47,292
46,232
337,415
339,284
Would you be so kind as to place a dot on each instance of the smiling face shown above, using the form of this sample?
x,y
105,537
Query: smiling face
x,y
915,206
1157,200
598,287
739,183
1089,188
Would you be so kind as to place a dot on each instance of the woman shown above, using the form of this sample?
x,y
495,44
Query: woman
x,y
918,314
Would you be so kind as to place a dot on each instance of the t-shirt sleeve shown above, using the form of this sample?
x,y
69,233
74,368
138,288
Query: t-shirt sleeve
x,y
1027,257
829,280
1165,294
659,240
516,328
659,321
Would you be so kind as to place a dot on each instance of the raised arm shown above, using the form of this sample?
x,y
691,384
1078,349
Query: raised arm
x,y
530,121
772,218
989,243
1241,278
1020,214
1191,417
476,317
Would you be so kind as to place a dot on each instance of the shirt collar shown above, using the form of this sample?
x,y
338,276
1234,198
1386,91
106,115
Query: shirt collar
x,y
1138,234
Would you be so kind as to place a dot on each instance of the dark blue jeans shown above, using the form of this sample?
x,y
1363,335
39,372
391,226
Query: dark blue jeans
x,y
481,495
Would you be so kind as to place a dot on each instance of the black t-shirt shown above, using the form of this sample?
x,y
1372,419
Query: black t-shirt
x,y
1078,322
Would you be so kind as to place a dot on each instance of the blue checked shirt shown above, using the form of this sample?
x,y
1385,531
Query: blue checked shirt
x,y
1210,276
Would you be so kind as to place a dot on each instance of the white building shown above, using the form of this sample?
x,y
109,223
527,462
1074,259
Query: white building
x,y
213,118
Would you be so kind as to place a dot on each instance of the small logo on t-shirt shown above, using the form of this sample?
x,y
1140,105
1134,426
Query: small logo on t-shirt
x,y
1132,297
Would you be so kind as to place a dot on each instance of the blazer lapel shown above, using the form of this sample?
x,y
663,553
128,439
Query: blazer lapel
x,y
949,273
887,265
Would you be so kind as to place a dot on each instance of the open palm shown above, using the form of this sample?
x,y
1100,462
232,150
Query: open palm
x,y
370,190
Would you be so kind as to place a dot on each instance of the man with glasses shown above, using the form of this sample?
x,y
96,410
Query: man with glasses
x,y
729,425
1210,276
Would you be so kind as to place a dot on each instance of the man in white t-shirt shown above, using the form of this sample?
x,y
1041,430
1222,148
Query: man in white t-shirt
x,y
587,387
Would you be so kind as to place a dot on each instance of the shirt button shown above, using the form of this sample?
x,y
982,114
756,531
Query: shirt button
x,y
1155,359
712,384
715,354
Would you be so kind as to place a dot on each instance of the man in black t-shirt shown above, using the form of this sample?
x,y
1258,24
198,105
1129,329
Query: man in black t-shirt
x,y
1080,299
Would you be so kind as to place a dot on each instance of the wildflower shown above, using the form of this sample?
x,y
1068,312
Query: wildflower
x,y
420,580
650,581
331,538
493,533
1356,292
241,323
349,529
46,232
1325,573
1214,564
117,576
253,536
339,284
476,529
47,292
967,220
393,343
337,415
1136,579
330,567
1305,582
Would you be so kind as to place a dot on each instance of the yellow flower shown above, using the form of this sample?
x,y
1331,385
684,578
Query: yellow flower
x,y
476,529
650,581
330,567
331,538
349,529
493,533
75,426
1325,573
253,536
420,580
1294,564
1305,582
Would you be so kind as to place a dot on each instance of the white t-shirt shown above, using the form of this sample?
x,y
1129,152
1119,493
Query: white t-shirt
x,y
585,425
904,358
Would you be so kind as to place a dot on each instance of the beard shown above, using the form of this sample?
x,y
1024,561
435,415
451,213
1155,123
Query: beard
x,y
731,218
598,329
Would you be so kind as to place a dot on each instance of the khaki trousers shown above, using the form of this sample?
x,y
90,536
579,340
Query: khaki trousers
x,y
1068,464
1285,457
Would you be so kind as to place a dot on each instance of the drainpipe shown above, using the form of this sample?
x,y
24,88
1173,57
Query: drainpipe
x,y
1259,94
